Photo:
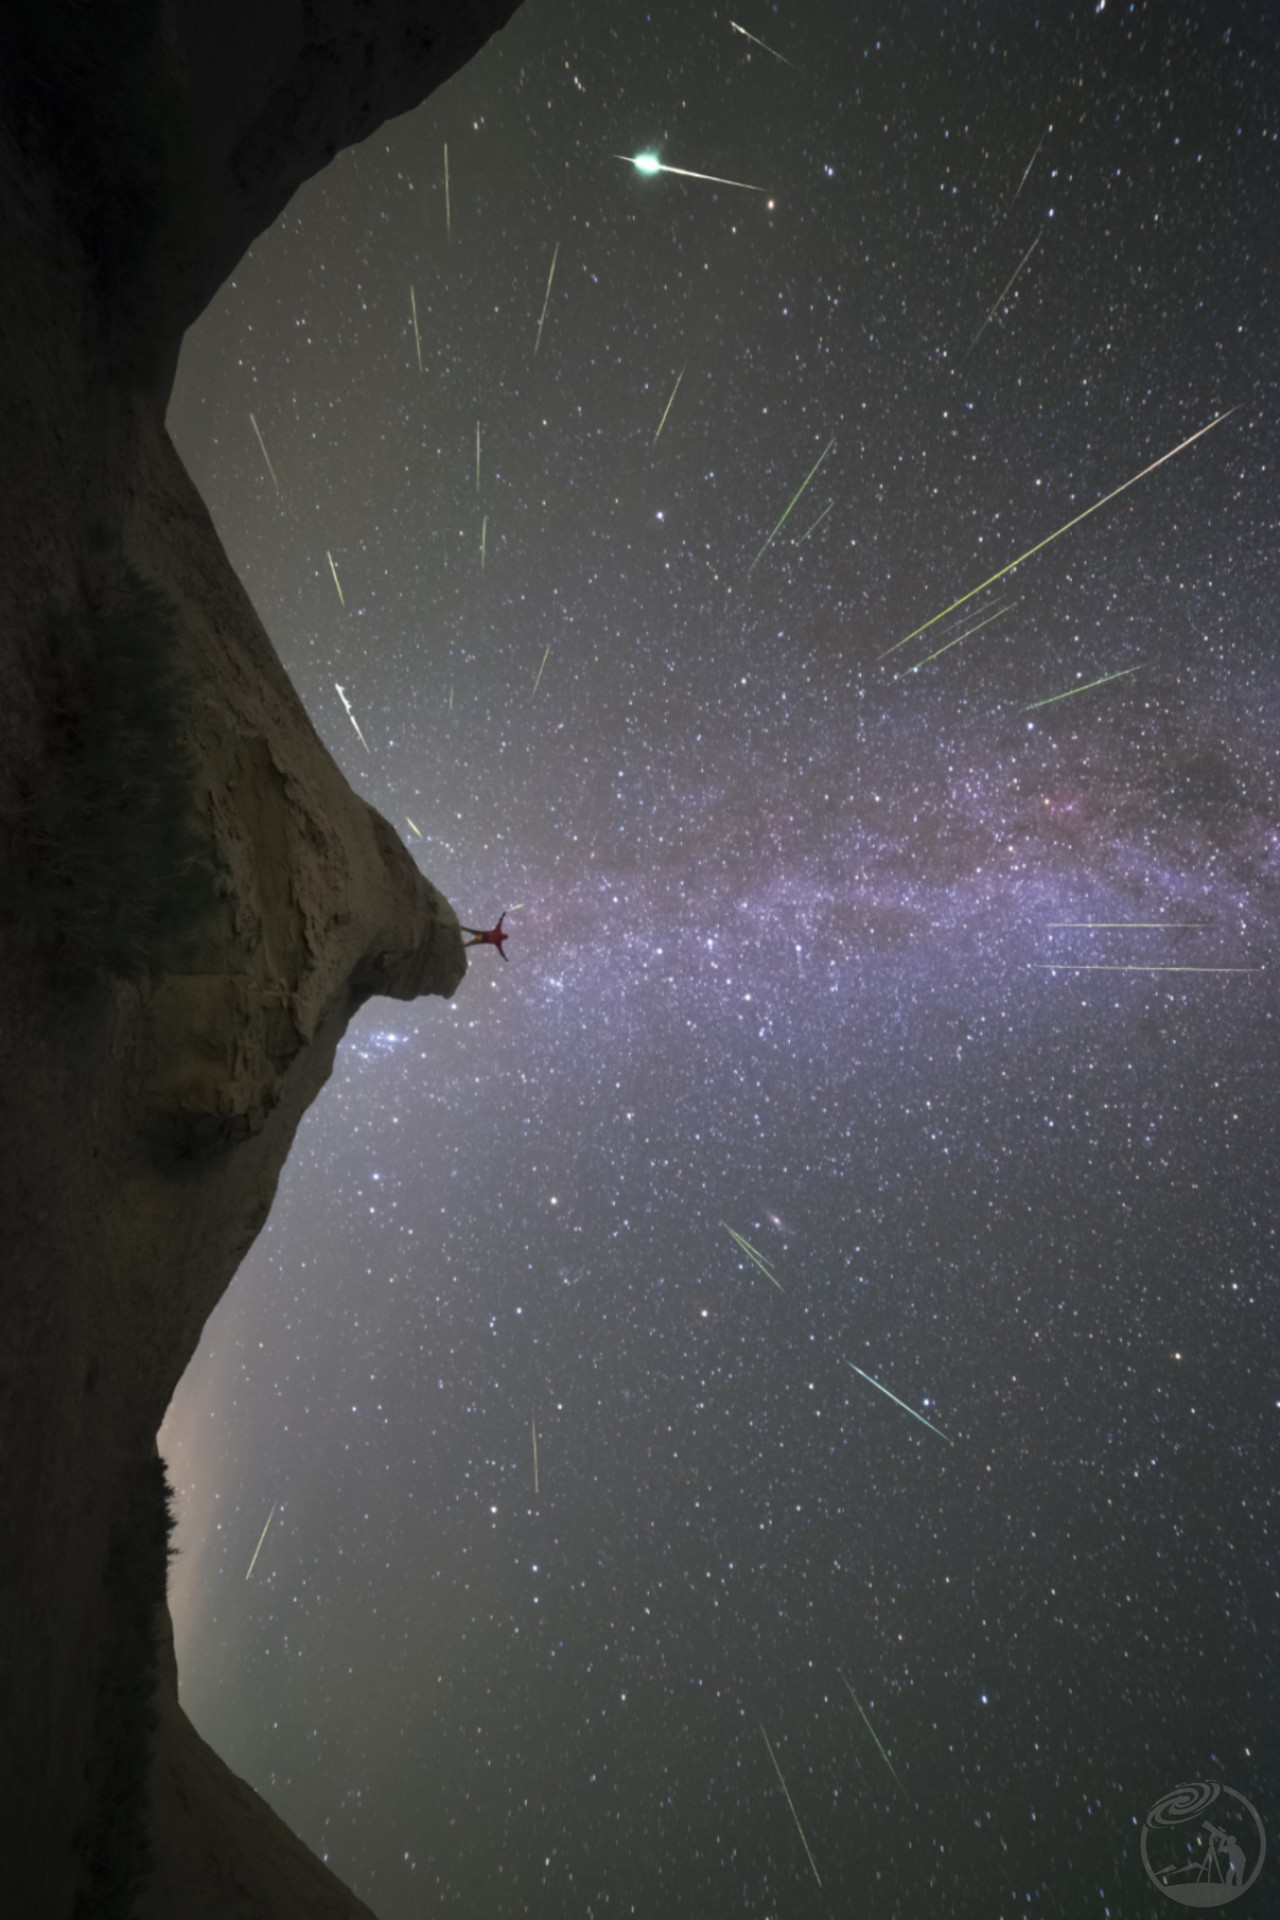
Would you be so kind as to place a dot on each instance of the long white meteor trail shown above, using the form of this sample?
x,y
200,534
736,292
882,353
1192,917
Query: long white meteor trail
x,y
870,1729
1031,162
266,456
650,163
351,717
902,1403
773,50
790,1802
258,1549
1000,302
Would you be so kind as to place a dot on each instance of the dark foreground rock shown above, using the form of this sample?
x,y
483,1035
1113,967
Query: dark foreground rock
x,y
192,900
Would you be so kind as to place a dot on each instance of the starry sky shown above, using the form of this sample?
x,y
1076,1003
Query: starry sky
x,y
790,954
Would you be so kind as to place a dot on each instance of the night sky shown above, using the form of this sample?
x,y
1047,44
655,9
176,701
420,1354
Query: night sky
x,y
786,956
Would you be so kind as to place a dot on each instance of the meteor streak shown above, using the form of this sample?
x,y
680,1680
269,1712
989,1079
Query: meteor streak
x,y
484,529
817,523
334,571
417,830
1012,277
1067,966
534,1425
1048,541
760,43
1202,924
870,1729
666,410
351,717
902,1403
1072,691
448,219
1003,608
790,1802
650,163
258,1549
1031,162
537,683
752,1254
804,483
266,456
542,316
417,338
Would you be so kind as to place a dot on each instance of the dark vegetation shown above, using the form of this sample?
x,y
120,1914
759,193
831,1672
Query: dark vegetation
x,y
107,863
113,1844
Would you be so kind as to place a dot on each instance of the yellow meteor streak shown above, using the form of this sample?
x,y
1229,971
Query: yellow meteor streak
x,y
666,410
999,303
790,1802
417,830
258,1549
417,338
870,1729
334,571
534,1425
803,484
542,316
1066,966
537,683
956,642
649,163
448,220
484,529
760,43
902,1403
1071,691
266,456
1042,544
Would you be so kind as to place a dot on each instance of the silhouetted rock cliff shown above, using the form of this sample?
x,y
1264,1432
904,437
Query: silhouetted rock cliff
x,y
192,900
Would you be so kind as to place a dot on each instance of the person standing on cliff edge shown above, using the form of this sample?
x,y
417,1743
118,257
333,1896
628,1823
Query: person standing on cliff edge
x,y
493,938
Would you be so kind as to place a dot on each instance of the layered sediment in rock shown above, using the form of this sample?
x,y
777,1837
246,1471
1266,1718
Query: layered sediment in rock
x,y
169,1003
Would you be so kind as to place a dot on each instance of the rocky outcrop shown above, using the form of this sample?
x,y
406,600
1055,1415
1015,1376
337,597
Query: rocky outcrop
x,y
172,990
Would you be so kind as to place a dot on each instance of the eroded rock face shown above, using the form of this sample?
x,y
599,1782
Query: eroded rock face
x,y
145,1121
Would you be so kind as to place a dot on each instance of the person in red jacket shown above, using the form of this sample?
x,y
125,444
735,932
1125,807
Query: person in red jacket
x,y
493,938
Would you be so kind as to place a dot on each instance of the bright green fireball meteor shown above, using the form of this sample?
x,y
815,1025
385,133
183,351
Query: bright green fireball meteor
x,y
650,163
1041,545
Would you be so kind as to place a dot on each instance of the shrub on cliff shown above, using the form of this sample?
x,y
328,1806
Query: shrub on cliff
x,y
113,1845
